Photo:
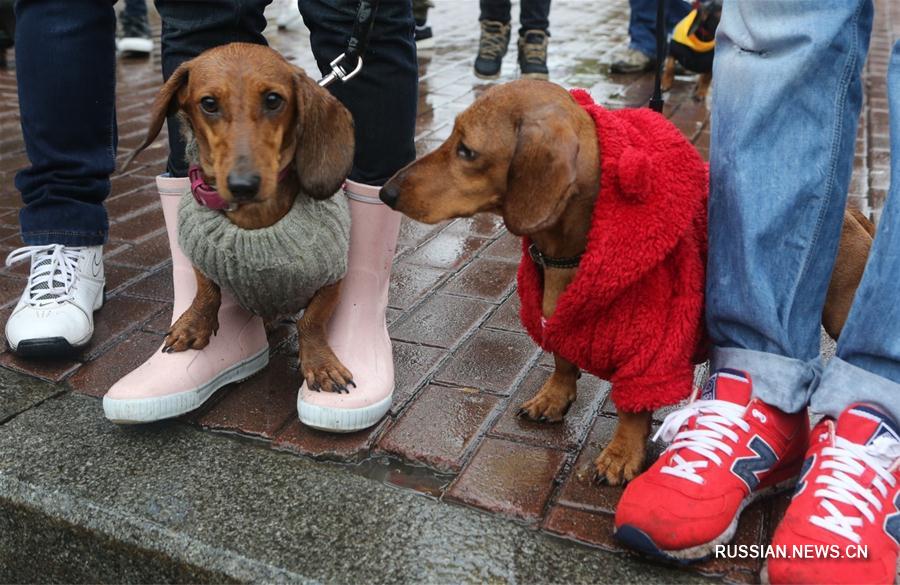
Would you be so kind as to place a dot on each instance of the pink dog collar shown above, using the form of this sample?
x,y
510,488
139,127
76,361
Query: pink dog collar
x,y
207,196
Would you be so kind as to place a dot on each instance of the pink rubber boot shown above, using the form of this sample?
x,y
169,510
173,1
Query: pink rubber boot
x,y
358,331
171,384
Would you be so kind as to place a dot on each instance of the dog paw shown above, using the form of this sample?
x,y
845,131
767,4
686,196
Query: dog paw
x,y
323,371
191,331
546,406
618,464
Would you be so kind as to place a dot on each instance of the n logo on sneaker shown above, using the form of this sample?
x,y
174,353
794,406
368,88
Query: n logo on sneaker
x,y
748,468
892,521
804,471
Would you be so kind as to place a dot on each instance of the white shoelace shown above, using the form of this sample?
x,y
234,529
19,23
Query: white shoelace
x,y
715,422
847,464
53,272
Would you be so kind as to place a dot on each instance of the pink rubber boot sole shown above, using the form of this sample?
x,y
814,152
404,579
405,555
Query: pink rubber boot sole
x,y
172,384
358,331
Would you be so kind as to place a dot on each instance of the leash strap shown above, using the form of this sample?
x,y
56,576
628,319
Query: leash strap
x,y
549,262
356,46
656,102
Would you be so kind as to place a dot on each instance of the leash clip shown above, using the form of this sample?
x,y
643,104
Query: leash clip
x,y
338,72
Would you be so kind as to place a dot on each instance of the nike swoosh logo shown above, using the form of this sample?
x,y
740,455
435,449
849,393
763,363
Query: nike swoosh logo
x,y
97,262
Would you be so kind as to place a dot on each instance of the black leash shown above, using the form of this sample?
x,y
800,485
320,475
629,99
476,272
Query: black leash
x,y
356,46
656,102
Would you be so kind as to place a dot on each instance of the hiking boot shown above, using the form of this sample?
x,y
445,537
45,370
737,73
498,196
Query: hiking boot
x,y
631,61
533,54
491,49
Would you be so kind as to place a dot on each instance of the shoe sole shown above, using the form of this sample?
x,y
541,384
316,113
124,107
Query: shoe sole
x,y
342,420
540,76
425,44
487,77
54,347
144,410
135,46
638,540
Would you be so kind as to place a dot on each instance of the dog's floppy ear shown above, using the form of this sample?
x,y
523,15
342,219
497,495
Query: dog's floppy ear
x,y
163,105
542,175
325,139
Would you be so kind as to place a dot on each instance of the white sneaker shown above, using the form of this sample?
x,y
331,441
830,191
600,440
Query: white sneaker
x,y
55,314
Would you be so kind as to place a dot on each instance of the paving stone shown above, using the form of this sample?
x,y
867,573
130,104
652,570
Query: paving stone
x,y
579,490
98,375
446,251
138,227
506,247
455,417
150,253
588,527
410,283
54,370
489,360
303,440
566,435
507,316
484,278
412,365
509,478
441,321
155,286
259,406
119,315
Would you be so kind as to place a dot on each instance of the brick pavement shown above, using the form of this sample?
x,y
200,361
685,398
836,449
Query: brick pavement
x,y
463,361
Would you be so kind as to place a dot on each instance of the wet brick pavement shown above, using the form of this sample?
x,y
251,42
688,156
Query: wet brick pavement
x,y
463,362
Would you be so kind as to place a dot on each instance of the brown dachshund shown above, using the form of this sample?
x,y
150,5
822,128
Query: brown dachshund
x,y
526,151
253,115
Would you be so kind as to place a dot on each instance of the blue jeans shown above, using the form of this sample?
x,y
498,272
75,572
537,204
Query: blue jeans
x,y
66,73
785,107
533,14
642,22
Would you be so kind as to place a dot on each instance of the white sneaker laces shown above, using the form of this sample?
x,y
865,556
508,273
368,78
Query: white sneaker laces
x,y
715,422
847,464
54,269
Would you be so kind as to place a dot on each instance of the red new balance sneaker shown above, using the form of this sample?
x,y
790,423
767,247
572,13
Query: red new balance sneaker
x,y
843,525
726,450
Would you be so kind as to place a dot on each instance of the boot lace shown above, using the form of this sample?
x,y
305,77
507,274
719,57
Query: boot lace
x,y
848,461
54,270
494,40
715,422
535,52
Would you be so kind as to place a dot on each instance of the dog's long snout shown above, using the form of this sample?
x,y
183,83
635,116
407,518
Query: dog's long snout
x,y
244,185
389,194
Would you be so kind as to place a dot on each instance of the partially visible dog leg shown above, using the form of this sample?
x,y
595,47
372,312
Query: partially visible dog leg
x,y
702,88
623,458
320,367
668,77
853,253
553,400
201,320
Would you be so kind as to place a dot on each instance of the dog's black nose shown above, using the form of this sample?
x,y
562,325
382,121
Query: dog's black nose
x,y
389,194
244,186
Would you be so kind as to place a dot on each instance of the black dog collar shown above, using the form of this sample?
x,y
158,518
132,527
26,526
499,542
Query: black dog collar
x,y
549,262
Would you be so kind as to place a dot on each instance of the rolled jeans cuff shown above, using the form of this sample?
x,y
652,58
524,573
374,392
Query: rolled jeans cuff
x,y
783,382
844,384
64,237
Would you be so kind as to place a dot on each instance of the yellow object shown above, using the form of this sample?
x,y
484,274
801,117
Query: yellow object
x,y
683,35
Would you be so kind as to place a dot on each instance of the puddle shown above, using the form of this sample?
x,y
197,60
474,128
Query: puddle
x,y
398,473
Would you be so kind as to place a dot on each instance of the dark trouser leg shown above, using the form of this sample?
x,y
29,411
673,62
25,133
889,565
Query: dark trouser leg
x,y
193,26
535,15
382,98
135,12
66,72
497,10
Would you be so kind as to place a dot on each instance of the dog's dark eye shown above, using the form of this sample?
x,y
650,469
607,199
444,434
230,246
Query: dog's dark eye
x,y
464,152
209,105
273,101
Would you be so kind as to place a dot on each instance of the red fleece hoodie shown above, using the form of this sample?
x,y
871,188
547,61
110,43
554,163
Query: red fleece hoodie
x,y
633,311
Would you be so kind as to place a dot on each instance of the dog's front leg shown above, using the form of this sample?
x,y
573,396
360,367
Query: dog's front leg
x,y
668,76
555,397
201,321
702,88
623,458
320,367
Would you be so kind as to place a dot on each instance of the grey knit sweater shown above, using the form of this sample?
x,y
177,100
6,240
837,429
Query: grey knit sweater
x,y
271,271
